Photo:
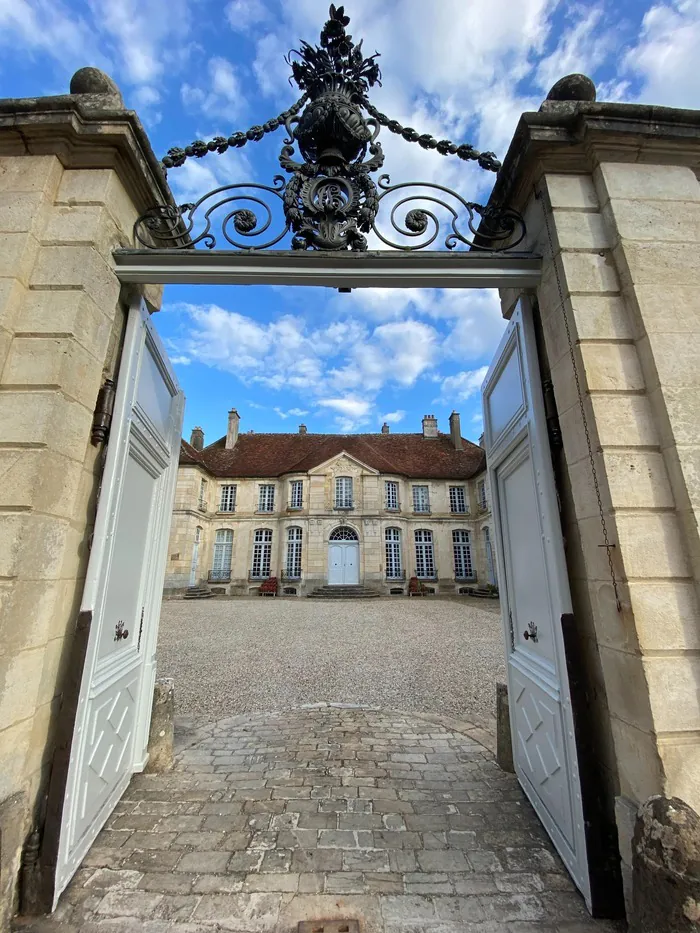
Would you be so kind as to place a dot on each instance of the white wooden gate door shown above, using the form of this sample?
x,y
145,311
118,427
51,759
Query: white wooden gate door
x,y
123,591
534,590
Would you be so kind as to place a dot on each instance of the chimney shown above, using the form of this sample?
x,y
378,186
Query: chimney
x,y
481,442
232,434
455,431
385,428
302,429
430,428
197,438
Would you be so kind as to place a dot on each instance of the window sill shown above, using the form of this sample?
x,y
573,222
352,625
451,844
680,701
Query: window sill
x,y
226,512
465,580
295,508
425,512
264,512
401,579
212,579
343,508
252,579
288,579
427,579
455,512
391,508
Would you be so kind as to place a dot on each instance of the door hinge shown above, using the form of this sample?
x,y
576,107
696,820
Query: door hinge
x,y
138,646
510,628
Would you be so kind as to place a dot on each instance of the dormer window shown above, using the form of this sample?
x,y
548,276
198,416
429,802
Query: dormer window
x,y
343,492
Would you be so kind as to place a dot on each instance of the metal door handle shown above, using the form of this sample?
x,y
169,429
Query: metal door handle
x,y
530,632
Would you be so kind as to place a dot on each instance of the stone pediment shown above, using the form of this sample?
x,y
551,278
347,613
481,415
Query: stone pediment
x,y
343,464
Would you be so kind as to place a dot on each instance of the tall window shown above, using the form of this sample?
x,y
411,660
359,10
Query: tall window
x,y
391,491
202,494
458,500
228,498
463,555
296,494
392,542
293,552
343,492
421,499
223,548
262,552
481,493
266,502
425,557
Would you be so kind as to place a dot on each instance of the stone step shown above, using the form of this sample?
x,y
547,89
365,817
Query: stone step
x,y
198,592
346,591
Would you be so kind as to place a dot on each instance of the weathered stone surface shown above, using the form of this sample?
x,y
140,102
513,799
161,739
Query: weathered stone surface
x,y
666,867
504,740
161,734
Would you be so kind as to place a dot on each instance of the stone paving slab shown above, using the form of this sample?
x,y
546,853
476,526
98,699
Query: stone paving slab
x,y
323,813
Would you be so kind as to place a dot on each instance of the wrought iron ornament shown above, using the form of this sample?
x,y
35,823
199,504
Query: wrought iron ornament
x,y
331,202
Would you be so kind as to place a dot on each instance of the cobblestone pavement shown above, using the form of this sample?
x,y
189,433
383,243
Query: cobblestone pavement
x,y
231,656
401,821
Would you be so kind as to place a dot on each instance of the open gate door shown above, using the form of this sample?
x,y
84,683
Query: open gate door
x,y
534,589
123,592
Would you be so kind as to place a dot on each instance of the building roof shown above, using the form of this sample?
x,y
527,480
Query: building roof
x,y
410,455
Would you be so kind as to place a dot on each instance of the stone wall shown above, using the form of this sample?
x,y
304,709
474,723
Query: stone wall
x,y
67,199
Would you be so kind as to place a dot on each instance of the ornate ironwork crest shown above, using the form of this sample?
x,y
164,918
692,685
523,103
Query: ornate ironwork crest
x,y
330,200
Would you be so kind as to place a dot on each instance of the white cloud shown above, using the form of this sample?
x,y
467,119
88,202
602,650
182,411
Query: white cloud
x,y
242,14
665,57
49,27
462,386
353,412
221,96
297,412
393,417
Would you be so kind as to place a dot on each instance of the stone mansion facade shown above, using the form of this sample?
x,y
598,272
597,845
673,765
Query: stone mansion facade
x,y
317,509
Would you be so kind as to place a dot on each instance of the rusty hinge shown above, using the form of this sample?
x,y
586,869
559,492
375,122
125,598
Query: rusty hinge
x,y
138,646
102,417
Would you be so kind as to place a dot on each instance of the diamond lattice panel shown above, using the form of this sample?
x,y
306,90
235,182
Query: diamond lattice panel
x,y
109,737
539,735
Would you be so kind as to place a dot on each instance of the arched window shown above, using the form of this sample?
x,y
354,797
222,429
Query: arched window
x,y
425,556
462,549
343,533
392,545
343,492
262,553
294,553
223,548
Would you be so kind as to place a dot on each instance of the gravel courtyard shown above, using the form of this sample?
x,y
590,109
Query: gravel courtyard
x,y
231,656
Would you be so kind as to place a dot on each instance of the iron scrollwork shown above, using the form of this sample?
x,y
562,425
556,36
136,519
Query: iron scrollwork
x,y
330,201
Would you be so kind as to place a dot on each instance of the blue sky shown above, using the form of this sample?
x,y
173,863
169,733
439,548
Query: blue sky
x,y
462,69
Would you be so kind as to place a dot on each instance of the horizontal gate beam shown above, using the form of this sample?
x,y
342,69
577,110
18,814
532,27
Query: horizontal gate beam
x,y
336,270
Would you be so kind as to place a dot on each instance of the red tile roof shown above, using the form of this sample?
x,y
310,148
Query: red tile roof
x,y
410,455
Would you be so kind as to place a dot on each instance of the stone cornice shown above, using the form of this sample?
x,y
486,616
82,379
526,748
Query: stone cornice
x,y
86,131
577,136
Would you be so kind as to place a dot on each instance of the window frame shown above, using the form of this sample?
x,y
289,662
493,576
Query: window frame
x,y
262,554
394,485
296,485
223,573
392,554
417,498
344,502
454,495
425,554
266,491
293,552
226,494
462,556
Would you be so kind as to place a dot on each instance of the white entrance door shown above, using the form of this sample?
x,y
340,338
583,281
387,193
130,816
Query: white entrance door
x,y
343,563
195,557
534,589
123,592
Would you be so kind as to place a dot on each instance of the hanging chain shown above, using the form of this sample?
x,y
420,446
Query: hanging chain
x,y
177,156
487,160
540,195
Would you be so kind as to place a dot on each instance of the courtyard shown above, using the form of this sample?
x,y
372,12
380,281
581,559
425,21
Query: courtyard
x,y
246,655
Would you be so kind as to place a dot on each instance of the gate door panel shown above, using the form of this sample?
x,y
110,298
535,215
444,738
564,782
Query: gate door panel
x,y
123,591
534,589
